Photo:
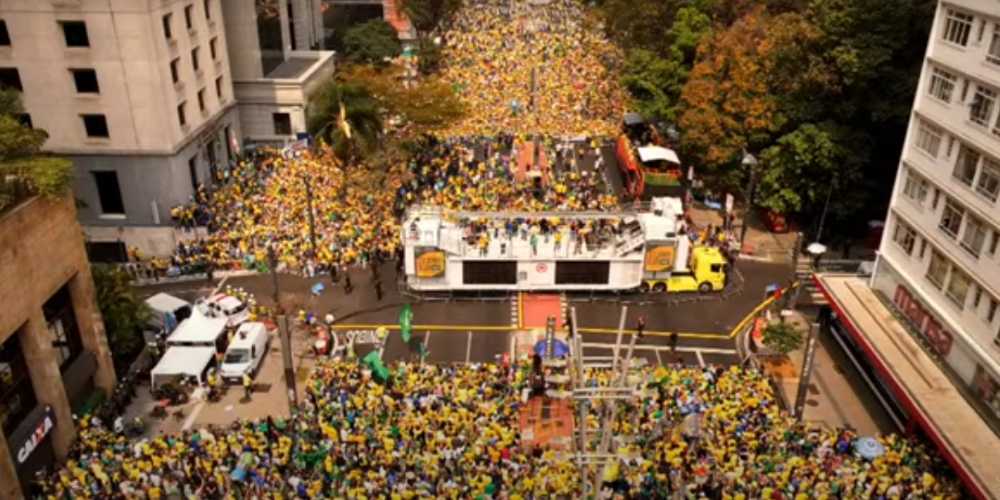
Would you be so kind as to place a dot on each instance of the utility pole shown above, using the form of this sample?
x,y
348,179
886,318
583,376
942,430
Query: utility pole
x,y
283,333
312,217
750,162
807,368
791,298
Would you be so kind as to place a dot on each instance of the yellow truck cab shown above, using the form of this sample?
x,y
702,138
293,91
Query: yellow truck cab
x,y
706,273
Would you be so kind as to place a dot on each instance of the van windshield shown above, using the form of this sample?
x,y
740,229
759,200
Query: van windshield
x,y
237,356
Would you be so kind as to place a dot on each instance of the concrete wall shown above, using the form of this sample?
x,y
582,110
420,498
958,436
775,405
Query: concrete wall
x,y
147,180
240,18
41,250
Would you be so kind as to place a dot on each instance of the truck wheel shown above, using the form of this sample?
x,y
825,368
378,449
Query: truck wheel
x,y
660,287
644,287
705,287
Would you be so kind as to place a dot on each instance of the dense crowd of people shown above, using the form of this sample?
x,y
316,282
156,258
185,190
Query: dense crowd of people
x,y
532,69
452,432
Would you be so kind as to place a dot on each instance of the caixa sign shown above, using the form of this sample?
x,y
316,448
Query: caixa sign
x,y
939,338
42,429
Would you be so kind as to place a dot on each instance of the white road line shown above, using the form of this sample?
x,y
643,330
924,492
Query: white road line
x,y
657,348
468,347
658,360
701,360
427,338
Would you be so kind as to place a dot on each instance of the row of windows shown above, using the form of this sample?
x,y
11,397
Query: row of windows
x,y
84,80
202,106
175,64
960,26
74,33
974,169
168,31
981,99
972,233
947,277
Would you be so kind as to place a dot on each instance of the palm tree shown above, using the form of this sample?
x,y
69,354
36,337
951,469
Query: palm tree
x,y
347,116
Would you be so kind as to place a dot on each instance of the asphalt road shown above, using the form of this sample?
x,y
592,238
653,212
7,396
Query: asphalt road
x,y
702,321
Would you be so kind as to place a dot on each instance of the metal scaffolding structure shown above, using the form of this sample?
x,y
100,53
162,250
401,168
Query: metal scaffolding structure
x,y
594,453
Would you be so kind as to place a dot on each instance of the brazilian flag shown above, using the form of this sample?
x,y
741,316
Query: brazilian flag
x,y
374,363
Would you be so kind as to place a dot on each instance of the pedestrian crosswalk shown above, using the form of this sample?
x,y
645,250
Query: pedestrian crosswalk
x,y
810,294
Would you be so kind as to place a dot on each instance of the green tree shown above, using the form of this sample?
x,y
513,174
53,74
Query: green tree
x,y
124,313
428,15
347,116
372,42
782,337
21,156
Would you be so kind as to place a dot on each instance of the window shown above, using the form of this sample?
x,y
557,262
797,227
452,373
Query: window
x,y
4,35
187,17
167,29
282,123
95,125
993,53
218,88
181,116
10,79
977,297
486,272
109,192
61,322
982,105
25,120
957,27
193,172
201,99
937,271
175,74
965,167
942,84
212,49
17,396
194,59
915,187
937,198
988,184
582,273
929,138
951,218
991,312
958,287
75,33
904,236
208,9
994,240
923,249
86,81
974,236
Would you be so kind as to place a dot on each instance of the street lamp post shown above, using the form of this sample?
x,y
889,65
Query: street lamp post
x,y
284,333
749,161
312,217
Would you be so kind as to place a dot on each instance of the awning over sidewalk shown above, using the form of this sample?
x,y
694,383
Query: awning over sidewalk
x,y
952,424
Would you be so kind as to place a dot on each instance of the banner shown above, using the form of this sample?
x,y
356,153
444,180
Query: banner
x,y
659,258
405,323
430,262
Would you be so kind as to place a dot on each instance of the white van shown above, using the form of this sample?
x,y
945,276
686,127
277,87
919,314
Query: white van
x,y
245,351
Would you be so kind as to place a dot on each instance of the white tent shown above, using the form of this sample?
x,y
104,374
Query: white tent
x,y
182,361
658,153
198,329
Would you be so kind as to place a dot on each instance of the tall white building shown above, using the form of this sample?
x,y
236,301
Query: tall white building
x,y
136,92
939,261
149,99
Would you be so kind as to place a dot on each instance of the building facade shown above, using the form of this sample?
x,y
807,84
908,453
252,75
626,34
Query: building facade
x,y
137,93
939,261
53,349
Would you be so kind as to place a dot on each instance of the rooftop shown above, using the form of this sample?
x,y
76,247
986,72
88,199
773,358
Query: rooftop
x,y
294,67
919,383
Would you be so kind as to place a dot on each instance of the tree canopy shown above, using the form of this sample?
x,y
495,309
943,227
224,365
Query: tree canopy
x,y
21,155
371,42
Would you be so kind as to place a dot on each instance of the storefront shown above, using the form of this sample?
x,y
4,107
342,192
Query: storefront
x,y
963,365
31,446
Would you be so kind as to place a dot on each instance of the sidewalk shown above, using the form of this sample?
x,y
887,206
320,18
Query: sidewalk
x,y
761,244
836,396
